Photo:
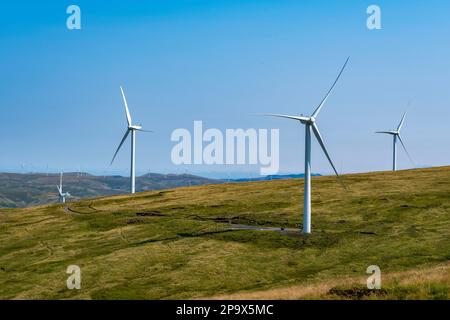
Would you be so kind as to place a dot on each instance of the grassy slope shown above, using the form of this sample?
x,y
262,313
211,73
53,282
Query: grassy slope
x,y
169,244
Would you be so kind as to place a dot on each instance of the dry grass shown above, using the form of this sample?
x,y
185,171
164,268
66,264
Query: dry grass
x,y
420,281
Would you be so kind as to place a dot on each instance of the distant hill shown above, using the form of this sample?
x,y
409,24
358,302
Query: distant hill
x,y
22,190
273,177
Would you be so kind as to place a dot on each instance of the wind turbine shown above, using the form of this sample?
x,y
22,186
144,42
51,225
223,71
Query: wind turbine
x,y
62,195
131,128
310,125
396,135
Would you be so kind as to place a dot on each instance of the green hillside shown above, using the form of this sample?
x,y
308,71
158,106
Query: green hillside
x,y
185,242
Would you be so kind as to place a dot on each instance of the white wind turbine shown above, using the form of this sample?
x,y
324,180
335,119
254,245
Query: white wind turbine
x,y
131,128
310,124
396,135
62,195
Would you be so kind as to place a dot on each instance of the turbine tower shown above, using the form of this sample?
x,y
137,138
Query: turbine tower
x,y
310,125
62,195
396,135
130,128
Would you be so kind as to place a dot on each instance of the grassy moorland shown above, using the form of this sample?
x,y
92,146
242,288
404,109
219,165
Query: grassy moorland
x,y
183,243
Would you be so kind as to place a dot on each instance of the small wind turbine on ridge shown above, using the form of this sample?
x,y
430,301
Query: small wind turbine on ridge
x,y
62,195
396,136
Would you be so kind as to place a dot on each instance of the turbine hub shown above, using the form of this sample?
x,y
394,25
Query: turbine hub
x,y
312,119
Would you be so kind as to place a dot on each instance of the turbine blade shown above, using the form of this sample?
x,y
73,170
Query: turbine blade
x,y
59,190
385,132
142,130
287,117
126,107
316,112
120,145
60,181
407,153
322,144
401,122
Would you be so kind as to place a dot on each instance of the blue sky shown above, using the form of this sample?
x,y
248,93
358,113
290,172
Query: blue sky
x,y
221,62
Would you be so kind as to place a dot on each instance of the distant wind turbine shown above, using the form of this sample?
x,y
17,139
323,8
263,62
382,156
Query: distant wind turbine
x,y
131,128
396,135
62,195
310,124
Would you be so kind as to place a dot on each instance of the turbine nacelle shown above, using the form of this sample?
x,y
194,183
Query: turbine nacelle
x,y
135,128
307,120
312,120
